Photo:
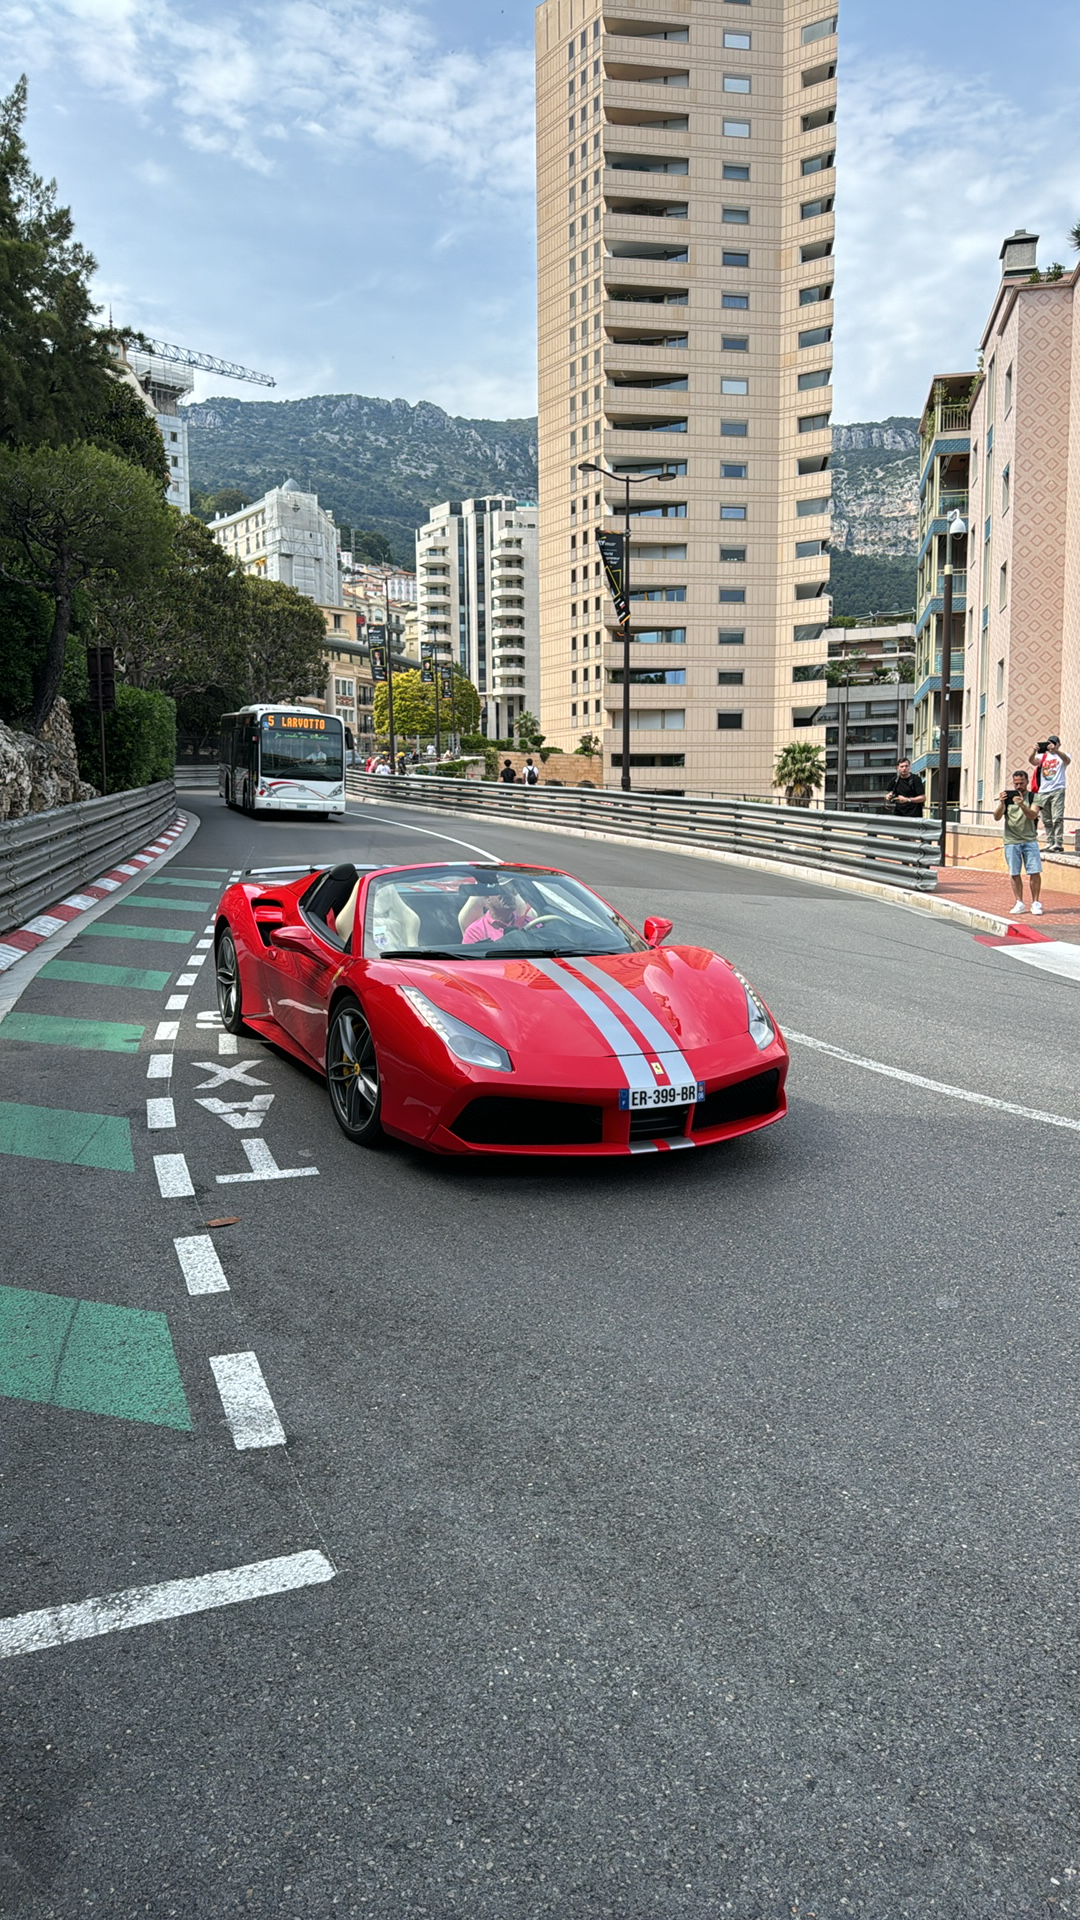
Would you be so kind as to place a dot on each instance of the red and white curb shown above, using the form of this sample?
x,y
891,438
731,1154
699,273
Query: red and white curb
x,y
16,945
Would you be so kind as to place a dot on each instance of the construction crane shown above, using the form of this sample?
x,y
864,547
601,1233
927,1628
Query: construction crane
x,y
206,363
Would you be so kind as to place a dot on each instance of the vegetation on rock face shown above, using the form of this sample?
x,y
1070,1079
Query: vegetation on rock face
x,y
866,583
378,465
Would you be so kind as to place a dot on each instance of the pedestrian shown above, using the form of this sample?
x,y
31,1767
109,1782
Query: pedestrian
x,y
382,765
1049,788
530,773
401,763
1022,854
907,793
507,774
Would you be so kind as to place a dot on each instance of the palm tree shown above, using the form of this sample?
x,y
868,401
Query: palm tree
x,y
1074,236
800,770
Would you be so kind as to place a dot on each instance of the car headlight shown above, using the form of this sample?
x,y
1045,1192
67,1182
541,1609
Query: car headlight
x,y
464,1042
762,1031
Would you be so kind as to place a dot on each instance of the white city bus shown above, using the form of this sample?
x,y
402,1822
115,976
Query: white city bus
x,y
282,759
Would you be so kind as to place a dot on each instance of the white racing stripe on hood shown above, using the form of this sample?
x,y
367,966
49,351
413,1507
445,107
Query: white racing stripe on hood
x,y
645,1021
634,1064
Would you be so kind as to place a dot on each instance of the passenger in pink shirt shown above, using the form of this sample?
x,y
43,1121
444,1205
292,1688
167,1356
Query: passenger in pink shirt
x,y
505,910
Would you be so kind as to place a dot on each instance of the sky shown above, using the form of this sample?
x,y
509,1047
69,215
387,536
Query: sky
x,y
340,193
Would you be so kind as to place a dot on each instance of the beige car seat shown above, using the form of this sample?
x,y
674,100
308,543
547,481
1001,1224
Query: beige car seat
x,y
393,923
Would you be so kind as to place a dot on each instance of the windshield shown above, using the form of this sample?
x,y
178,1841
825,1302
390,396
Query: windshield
x,y
301,747
468,913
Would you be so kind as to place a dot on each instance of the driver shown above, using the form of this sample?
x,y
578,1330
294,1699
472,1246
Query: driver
x,y
504,910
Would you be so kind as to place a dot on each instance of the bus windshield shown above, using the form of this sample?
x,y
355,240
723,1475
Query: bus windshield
x,y
301,747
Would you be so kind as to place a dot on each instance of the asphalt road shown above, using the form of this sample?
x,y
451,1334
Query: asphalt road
x,y
703,1528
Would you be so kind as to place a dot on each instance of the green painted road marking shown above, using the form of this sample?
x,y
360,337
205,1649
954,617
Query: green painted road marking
x,y
125,930
74,1139
160,880
140,900
91,976
94,1036
220,873
91,1359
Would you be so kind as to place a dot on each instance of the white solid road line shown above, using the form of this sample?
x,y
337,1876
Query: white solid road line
x,y
160,1114
245,1397
430,833
159,1066
1052,956
932,1086
169,1600
199,1263
173,1178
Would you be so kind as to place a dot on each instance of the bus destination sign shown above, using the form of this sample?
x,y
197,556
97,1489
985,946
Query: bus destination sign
x,y
296,722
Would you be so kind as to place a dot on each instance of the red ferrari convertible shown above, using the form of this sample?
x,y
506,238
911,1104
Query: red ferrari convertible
x,y
475,1008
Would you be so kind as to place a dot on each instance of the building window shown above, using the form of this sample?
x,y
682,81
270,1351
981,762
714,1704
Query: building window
x,y
734,386
820,30
172,437
815,250
736,83
741,301
735,343
733,554
813,209
729,259
659,636
820,378
729,722
1003,586
736,216
733,172
733,470
739,42
815,296
731,637
733,596
733,513
1005,490
1006,395
815,336
818,163
997,773
734,679
337,623
736,129
808,549
1000,694
734,429
813,422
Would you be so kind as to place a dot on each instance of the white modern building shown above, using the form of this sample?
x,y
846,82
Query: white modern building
x,y
478,600
286,536
161,385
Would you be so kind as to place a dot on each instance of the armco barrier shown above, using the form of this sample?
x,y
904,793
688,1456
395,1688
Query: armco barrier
x,y
45,855
875,846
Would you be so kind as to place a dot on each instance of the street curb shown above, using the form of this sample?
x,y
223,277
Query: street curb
x,y
20,971
937,908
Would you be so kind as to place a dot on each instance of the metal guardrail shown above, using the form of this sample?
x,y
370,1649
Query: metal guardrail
x,y
43,856
875,846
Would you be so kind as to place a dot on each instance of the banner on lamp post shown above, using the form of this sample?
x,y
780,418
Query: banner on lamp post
x,y
613,554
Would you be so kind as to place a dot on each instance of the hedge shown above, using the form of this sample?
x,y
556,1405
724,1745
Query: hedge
x,y
140,739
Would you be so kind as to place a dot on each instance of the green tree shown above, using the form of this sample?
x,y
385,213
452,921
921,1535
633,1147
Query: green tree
x,y
529,737
589,744
183,628
282,642
70,517
123,425
54,360
140,739
207,506
414,706
800,770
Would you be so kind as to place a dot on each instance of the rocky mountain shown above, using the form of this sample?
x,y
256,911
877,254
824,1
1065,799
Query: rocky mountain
x,y
383,463
373,463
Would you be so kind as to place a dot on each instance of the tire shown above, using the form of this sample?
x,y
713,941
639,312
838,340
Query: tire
x,y
229,989
352,1075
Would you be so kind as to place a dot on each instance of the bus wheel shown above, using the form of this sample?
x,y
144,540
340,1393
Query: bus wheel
x,y
352,1073
229,991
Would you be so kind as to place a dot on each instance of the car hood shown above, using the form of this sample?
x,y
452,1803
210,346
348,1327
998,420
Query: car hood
x,y
668,1000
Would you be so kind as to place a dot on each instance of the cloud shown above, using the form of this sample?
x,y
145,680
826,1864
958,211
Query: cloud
x,y
252,82
934,169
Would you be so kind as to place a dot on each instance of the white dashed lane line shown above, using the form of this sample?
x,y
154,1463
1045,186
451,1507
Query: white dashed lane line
x,y
159,1066
176,1003
199,1263
246,1400
167,1030
173,1178
160,1114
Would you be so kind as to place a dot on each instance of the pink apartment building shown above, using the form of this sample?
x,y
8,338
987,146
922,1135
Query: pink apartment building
x,y
1022,639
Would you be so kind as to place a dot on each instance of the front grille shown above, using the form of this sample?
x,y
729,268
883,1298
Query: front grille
x,y
658,1123
497,1120
743,1101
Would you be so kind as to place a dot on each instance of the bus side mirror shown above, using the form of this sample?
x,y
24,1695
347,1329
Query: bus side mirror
x,y
657,930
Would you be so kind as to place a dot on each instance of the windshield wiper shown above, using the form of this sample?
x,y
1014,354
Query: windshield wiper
x,y
420,953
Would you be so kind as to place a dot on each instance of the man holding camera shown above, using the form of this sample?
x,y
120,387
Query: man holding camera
x,y
1016,807
1051,763
907,794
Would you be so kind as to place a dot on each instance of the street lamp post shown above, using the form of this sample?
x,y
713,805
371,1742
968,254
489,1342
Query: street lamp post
x,y
955,529
628,480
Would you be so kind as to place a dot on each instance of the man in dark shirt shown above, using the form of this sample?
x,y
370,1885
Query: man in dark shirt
x,y
507,774
907,793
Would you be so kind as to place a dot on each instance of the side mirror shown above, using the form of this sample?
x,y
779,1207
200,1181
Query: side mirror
x,y
657,930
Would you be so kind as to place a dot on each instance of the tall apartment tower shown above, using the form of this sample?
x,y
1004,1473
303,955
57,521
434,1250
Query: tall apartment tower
x,y
476,566
685,211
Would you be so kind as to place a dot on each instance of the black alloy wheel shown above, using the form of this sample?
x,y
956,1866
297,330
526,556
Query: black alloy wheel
x,y
229,992
352,1074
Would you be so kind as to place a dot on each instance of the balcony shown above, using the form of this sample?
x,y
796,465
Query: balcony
x,y
959,585
949,417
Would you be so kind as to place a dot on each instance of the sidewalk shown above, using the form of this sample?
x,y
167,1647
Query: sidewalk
x,y
991,893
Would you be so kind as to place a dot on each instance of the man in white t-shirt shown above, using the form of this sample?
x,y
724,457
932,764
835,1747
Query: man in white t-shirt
x,y
1051,763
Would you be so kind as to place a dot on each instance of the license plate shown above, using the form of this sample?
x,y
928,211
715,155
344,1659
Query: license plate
x,y
634,1099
